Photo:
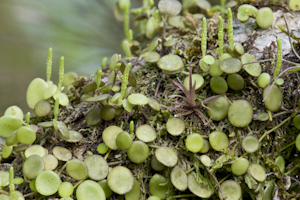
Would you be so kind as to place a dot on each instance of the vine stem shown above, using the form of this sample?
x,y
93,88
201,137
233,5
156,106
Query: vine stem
x,y
62,169
279,75
287,146
273,129
28,194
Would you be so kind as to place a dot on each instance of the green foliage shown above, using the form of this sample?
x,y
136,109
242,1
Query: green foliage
x,y
141,120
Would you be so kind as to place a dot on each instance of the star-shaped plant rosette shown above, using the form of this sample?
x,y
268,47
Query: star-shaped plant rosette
x,y
189,104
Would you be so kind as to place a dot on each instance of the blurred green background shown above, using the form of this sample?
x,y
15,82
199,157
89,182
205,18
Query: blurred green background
x,y
82,31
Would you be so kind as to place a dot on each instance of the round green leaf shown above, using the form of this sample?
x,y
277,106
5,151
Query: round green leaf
x,y
153,104
166,156
107,112
146,133
47,183
97,167
65,189
42,108
231,189
169,7
198,188
253,69
195,78
151,56
113,61
158,186
123,140
93,116
235,82
214,69
218,108
63,98
218,140
240,113
230,65
109,136
50,162
257,172
156,165
35,91
170,63
50,91
179,178
77,169
175,126
194,142
74,136
134,193
294,5
108,192
250,143
90,190
239,166
33,166
14,111
263,116
218,85
9,124
62,153
208,59
4,177
63,129
6,151
263,79
264,17
35,150
274,100
120,180
126,105
137,99
280,162
138,152
26,135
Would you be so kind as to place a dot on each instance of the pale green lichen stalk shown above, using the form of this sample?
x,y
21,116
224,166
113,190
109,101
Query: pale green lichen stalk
x,y
125,6
230,28
11,184
204,37
220,35
278,60
124,82
61,73
49,65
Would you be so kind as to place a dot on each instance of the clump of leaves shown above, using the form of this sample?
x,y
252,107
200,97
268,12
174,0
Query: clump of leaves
x,y
189,104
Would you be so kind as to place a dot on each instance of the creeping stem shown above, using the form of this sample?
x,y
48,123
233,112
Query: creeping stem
x,y
204,37
220,35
